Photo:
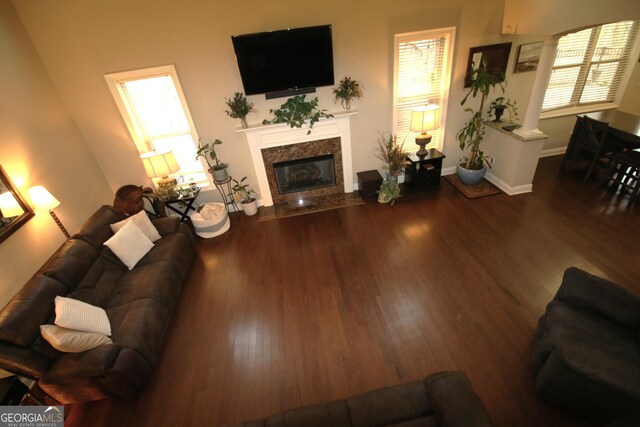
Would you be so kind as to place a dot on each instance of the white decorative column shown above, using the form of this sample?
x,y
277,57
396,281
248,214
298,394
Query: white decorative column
x,y
529,129
275,135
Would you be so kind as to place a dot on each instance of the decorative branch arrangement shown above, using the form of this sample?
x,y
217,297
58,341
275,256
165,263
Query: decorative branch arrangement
x,y
296,111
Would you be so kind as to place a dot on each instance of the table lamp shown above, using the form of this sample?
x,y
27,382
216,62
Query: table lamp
x,y
9,206
424,119
160,165
43,201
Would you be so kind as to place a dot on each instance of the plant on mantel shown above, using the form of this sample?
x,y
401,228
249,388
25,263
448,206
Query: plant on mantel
x,y
239,107
296,111
347,90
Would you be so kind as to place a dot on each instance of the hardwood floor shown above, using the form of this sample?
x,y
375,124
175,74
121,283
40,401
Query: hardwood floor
x,y
307,309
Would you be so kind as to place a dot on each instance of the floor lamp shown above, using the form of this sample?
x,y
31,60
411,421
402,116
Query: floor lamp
x,y
43,201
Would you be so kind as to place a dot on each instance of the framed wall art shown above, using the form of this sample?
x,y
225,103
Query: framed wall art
x,y
528,57
496,57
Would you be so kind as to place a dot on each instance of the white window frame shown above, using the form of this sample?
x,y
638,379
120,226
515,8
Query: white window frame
x,y
115,83
445,81
598,106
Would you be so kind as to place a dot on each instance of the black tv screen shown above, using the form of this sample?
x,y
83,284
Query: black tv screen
x,y
285,59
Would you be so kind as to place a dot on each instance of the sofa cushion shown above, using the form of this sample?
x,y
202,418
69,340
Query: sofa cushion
x,y
140,326
390,405
70,341
143,222
32,306
564,322
96,230
129,244
70,263
159,281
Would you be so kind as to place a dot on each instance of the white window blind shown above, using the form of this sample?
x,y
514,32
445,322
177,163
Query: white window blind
x,y
589,65
157,116
422,73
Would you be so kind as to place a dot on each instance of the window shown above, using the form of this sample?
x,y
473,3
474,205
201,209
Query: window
x,y
590,65
422,74
155,111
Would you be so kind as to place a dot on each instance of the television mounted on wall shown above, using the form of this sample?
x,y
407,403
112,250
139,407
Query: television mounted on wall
x,y
285,62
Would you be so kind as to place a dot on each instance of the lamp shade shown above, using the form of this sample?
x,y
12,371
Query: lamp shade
x,y
425,118
42,200
159,165
9,205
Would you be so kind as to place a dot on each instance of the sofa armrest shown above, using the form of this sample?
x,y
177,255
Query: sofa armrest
x,y
600,296
23,361
166,225
454,401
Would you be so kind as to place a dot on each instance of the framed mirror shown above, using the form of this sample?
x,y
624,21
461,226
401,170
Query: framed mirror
x,y
14,209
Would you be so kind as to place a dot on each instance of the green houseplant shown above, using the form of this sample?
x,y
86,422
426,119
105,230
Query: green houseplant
x,y
296,111
244,194
239,107
498,107
472,167
216,168
347,90
392,153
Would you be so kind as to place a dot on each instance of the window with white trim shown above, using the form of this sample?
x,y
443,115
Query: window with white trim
x,y
589,65
422,70
154,108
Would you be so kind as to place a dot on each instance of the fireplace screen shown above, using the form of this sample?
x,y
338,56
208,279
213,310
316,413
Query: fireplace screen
x,y
305,174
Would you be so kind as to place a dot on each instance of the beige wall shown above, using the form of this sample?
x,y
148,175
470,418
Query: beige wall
x,y
81,41
40,145
631,100
549,17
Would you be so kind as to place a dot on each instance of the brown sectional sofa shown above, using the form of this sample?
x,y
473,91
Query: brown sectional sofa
x,y
138,303
443,399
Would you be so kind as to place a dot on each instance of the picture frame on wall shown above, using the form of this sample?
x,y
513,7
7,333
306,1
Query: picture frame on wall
x,y
528,57
496,57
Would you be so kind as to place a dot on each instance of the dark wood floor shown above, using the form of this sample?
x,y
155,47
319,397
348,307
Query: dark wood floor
x,y
306,309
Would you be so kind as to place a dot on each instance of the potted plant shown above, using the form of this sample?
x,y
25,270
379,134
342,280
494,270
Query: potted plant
x,y
347,90
392,153
473,166
499,105
296,111
244,194
216,168
239,107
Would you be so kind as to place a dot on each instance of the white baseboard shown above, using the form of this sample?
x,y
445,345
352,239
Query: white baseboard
x,y
553,152
511,191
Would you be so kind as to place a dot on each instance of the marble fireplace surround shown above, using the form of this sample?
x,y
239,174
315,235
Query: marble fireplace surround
x,y
327,136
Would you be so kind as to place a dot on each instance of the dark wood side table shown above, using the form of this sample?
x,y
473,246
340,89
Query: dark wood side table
x,y
184,205
423,172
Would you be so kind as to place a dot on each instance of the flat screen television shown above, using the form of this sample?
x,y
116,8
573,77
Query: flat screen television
x,y
282,62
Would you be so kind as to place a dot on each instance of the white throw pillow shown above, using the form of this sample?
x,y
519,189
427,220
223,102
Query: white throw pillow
x,y
144,224
70,341
74,314
129,244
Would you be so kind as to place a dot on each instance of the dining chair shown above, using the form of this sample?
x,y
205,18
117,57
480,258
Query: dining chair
x,y
625,172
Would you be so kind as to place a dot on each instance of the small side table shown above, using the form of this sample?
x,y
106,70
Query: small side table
x,y
226,192
184,205
423,172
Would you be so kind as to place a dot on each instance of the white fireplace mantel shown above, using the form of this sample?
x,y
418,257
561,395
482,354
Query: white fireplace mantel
x,y
275,135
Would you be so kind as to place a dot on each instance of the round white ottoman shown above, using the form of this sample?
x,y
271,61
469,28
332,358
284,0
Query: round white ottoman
x,y
211,220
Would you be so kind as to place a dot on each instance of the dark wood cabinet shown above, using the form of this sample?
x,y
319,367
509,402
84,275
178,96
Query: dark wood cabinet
x,y
423,172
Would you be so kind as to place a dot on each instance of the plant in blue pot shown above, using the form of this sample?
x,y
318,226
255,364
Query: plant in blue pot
x,y
473,165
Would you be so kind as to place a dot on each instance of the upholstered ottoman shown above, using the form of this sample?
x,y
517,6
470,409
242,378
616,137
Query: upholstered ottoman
x,y
211,220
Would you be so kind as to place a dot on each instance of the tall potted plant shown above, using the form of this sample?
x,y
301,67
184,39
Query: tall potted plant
x,y
216,168
474,164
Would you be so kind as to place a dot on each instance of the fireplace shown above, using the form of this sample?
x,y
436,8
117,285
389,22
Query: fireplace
x,y
318,161
305,174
